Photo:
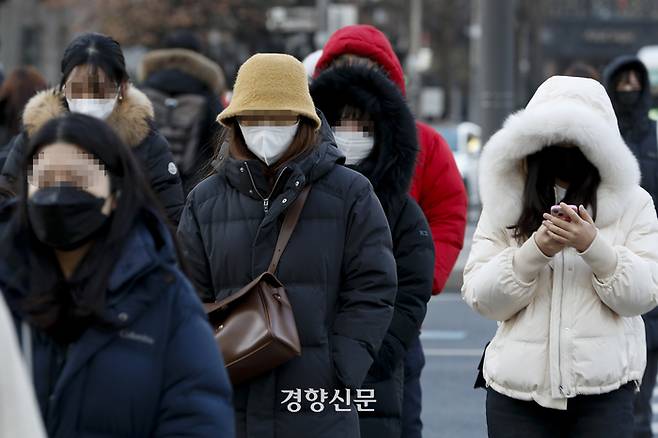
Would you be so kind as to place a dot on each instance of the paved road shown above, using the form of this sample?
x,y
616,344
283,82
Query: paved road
x,y
453,338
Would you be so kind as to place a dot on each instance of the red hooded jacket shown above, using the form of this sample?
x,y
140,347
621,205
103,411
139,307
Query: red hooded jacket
x,y
437,185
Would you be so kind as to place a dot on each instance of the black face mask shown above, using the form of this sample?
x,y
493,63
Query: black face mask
x,y
628,98
65,217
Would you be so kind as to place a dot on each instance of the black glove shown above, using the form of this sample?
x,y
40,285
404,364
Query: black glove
x,y
390,356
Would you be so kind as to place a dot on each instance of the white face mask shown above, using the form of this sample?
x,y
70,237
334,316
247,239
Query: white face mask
x,y
356,145
269,143
99,108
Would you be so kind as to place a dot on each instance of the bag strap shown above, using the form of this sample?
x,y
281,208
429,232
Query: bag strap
x,y
289,224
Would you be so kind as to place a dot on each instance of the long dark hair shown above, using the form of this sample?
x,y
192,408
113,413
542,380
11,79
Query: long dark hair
x,y
98,51
64,308
543,168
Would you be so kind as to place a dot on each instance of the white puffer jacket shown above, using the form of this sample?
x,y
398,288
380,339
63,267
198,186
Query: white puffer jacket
x,y
569,324
19,413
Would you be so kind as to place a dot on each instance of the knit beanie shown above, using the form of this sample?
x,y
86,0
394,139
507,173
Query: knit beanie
x,y
271,81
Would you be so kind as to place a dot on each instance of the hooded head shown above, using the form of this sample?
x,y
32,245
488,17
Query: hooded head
x,y
626,80
564,109
390,164
367,42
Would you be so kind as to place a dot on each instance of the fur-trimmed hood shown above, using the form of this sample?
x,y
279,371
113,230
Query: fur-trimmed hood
x,y
390,168
571,109
131,118
186,61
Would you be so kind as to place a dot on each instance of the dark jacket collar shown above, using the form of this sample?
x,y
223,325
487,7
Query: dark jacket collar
x,y
148,246
248,176
390,167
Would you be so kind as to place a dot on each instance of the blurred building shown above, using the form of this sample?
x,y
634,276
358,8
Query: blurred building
x,y
560,32
33,33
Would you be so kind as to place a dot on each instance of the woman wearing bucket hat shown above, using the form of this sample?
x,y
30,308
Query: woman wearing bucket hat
x,y
568,285
338,268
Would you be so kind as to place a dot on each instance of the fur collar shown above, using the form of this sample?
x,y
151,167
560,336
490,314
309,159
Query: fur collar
x,y
187,61
391,169
563,108
131,118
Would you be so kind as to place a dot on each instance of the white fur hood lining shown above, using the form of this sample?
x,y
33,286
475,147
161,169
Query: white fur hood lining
x,y
563,109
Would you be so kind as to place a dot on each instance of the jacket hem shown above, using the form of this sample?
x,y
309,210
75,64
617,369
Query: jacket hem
x,y
578,390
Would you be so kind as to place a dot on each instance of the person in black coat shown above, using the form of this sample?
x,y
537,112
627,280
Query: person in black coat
x,y
176,71
627,81
375,129
95,82
338,268
115,338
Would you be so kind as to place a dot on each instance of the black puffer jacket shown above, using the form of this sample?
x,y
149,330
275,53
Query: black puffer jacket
x,y
132,121
389,168
639,133
338,270
177,72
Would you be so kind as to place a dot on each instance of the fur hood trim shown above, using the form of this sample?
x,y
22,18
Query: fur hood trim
x,y
187,61
390,169
131,118
563,108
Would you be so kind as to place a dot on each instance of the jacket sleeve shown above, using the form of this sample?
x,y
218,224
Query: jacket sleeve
x,y
626,276
166,185
440,192
196,398
19,412
12,164
368,287
189,235
414,256
501,279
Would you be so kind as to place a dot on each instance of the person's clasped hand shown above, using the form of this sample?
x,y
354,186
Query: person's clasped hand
x,y
578,234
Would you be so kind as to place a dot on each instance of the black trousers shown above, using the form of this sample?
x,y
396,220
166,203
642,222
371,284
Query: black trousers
x,y
414,361
595,416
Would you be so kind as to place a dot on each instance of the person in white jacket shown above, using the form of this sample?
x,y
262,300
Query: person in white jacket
x,y
19,414
567,290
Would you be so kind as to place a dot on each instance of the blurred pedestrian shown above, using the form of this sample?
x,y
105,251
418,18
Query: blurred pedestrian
x,y
627,83
19,413
21,84
567,285
581,69
185,88
338,268
95,82
119,342
437,186
375,130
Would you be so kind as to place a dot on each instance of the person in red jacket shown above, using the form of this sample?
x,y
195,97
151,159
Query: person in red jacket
x,y
437,186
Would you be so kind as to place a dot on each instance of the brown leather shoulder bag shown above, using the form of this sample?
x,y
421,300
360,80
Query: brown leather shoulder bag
x,y
255,327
